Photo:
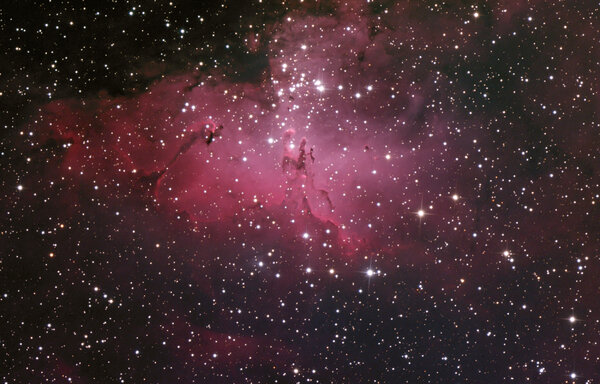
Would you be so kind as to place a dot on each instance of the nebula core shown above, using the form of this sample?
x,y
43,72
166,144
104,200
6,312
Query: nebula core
x,y
359,191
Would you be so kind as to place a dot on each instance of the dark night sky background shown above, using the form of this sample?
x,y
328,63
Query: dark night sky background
x,y
401,191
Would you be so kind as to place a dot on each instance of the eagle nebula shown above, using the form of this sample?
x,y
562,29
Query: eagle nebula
x,y
336,191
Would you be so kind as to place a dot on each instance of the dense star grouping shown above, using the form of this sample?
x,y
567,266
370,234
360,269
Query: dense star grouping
x,y
304,191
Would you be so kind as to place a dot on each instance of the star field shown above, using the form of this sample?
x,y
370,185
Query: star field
x,y
358,191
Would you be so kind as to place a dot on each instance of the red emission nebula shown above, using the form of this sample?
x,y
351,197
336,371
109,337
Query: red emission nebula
x,y
333,192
